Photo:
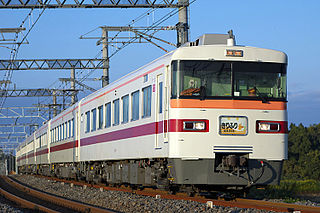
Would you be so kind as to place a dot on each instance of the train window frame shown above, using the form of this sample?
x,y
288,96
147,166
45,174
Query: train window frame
x,y
160,101
54,134
108,115
62,131
58,133
263,69
100,117
146,101
73,127
69,128
66,130
87,123
135,105
125,109
93,120
116,112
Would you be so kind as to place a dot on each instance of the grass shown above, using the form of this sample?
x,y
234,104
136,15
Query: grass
x,y
288,190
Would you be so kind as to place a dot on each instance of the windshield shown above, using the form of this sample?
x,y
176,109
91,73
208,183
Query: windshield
x,y
237,80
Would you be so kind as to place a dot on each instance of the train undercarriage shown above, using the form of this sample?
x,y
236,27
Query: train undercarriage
x,y
233,172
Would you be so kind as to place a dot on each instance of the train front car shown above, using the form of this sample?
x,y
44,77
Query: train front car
x,y
227,117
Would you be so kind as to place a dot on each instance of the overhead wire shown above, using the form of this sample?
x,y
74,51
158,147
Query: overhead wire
x,y
80,73
13,55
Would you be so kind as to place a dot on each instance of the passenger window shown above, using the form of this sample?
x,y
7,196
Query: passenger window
x,y
146,101
73,127
66,130
160,96
54,134
125,109
116,112
59,133
135,106
108,115
69,127
88,121
94,120
100,116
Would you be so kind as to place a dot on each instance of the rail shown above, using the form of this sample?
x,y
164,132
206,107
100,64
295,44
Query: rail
x,y
59,201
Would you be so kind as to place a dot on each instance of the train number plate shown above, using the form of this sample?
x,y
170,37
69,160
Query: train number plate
x,y
233,125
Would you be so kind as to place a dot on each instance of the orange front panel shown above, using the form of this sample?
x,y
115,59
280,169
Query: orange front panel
x,y
228,104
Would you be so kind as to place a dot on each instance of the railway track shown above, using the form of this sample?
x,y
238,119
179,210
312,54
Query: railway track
x,y
238,202
30,198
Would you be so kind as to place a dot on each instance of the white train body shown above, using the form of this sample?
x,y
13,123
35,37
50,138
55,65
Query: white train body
x,y
186,125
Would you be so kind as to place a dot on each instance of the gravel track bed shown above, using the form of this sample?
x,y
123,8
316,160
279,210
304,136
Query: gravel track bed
x,y
8,209
7,206
123,201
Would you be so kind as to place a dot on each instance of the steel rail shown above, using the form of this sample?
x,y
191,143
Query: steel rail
x,y
77,206
25,203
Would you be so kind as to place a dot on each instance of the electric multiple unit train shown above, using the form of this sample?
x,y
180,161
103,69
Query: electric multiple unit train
x,y
207,115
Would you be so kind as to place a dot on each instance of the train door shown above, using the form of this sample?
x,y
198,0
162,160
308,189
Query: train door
x,y
76,134
159,111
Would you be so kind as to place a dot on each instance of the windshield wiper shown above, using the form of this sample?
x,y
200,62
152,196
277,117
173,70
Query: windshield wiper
x,y
203,93
261,96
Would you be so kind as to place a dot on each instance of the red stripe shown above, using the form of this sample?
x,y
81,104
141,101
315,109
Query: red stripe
x,y
68,145
175,125
30,155
21,158
45,151
143,130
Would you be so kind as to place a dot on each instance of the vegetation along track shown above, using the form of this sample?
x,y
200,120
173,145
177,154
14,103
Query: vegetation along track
x,y
40,201
238,202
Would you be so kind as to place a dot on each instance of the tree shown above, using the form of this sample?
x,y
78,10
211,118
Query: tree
x,y
303,153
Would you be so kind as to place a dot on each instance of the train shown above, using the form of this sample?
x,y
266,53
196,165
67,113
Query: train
x,y
208,115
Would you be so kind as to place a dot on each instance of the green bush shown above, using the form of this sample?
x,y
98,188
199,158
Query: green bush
x,y
303,153
288,190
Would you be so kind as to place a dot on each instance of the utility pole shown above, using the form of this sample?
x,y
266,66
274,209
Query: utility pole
x,y
73,86
54,104
140,35
183,26
105,57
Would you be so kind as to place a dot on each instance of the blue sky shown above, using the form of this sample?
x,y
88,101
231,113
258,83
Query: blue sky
x,y
289,26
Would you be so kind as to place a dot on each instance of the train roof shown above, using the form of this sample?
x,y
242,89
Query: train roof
x,y
212,47
216,46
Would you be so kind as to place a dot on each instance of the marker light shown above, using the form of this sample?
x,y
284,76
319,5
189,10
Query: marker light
x,y
272,127
268,127
194,125
234,53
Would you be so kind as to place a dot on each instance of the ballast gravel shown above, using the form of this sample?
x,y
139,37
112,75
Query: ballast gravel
x,y
8,209
123,201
